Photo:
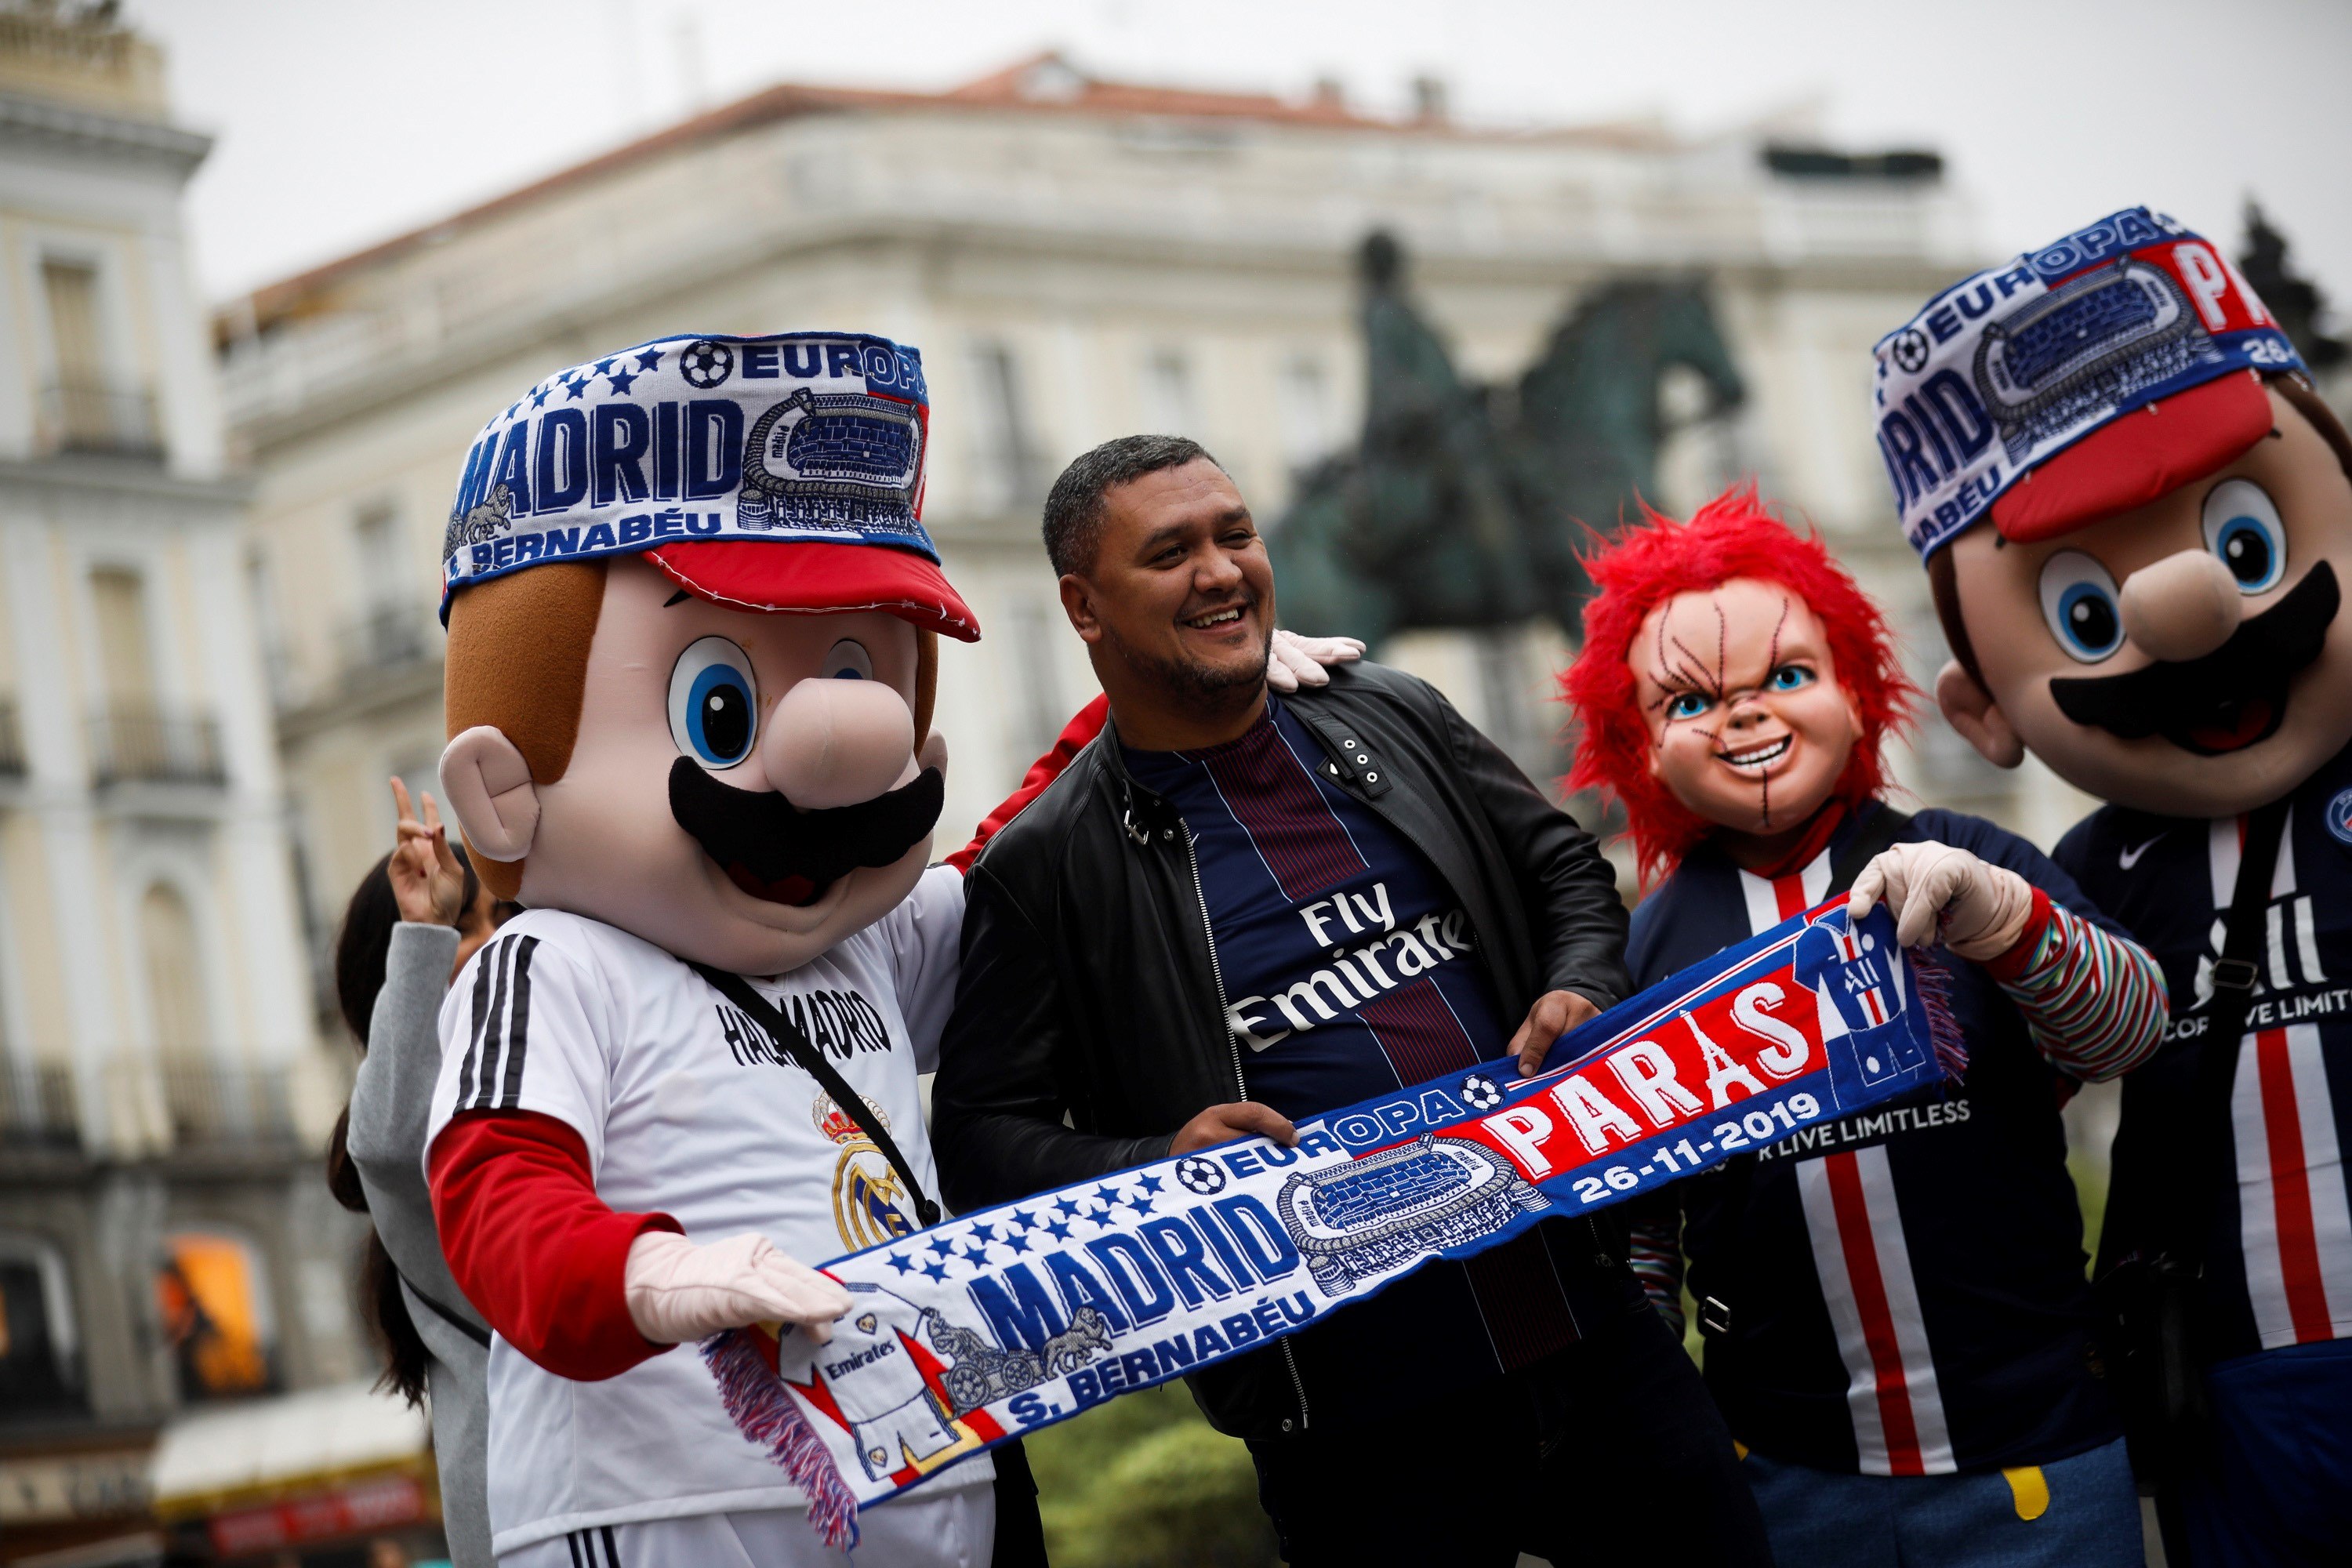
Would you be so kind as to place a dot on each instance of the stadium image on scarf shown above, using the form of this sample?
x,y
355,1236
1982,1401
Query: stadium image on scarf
x,y
1028,1313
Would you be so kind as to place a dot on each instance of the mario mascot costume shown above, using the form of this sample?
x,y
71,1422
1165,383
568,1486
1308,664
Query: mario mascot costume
x,y
693,623
2136,518
1894,1305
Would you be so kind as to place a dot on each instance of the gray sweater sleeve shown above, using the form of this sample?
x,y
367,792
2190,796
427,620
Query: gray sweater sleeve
x,y
393,1100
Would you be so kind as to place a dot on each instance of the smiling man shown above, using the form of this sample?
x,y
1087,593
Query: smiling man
x,y
1233,910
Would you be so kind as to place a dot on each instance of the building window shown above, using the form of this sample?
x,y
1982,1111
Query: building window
x,y
1168,406
175,976
1007,463
131,735
214,1304
126,659
387,634
270,630
41,1350
1308,429
1039,712
86,411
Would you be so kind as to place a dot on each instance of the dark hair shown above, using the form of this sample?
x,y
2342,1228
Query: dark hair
x,y
1074,508
1944,580
360,950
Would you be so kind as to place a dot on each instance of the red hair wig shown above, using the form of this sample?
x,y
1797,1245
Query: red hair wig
x,y
1653,560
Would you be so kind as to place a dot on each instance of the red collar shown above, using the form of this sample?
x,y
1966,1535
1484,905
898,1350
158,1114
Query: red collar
x,y
1817,837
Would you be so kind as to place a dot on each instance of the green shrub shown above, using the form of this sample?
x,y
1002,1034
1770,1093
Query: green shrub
x,y
1144,1482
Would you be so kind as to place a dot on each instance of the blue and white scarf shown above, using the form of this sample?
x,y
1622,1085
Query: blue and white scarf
x,y
996,1323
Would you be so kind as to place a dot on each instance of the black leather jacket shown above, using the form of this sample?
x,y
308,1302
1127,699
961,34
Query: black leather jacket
x,y
1090,991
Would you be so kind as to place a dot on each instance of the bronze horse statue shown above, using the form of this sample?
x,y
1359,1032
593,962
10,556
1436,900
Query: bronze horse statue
x,y
1464,504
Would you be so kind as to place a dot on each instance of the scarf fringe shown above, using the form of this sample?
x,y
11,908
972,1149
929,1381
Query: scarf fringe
x,y
766,1414
1934,982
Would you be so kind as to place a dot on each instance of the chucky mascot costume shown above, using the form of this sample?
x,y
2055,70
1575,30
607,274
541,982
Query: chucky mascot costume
x,y
2137,519
1894,1306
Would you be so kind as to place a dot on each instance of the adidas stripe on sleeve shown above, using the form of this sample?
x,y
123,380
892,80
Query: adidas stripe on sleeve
x,y
518,1033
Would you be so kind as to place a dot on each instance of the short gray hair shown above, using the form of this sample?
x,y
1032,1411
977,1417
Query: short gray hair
x,y
1075,509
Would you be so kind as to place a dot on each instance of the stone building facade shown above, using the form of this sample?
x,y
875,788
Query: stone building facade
x,y
1077,258
164,1238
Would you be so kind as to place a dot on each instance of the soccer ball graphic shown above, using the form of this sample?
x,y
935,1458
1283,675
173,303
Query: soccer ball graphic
x,y
1201,1175
705,364
1478,1091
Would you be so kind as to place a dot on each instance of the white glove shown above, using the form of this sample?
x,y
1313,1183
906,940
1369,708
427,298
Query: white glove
x,y
1931,890
677,1291
1295,661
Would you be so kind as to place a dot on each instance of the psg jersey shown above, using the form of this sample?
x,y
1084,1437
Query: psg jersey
x,y
1900,1292
2278,1255
1350,968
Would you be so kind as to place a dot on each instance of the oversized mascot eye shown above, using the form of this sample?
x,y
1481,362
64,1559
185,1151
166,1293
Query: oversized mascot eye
x,y
713,703
1789,677
1686,705
2078,600
2241,527
848,660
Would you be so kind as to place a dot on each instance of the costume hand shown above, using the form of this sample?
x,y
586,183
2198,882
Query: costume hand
x,y
1294,661
1554,1014
1223,1123
677,1291
428,882
1979,909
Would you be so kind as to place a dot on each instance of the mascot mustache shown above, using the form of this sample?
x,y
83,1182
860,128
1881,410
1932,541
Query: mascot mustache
x,y
774,851
2228,700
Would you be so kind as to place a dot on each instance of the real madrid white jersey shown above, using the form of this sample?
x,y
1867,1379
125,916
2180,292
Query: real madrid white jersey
x,y
688,1109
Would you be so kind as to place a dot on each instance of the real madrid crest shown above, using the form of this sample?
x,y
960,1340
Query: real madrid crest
x,y
868,1197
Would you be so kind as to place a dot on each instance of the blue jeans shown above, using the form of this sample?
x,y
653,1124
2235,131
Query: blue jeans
x,y
2086,1515
2279,1493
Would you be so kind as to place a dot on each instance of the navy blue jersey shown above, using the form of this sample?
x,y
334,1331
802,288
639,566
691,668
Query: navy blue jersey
x,y
1901,1292
2278,1260
1349,970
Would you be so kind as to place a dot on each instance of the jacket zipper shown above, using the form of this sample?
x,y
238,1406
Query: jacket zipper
x,y
1241,1087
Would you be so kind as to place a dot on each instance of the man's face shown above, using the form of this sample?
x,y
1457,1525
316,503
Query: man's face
x,y
1180,598
2185,657
1749,726
706,736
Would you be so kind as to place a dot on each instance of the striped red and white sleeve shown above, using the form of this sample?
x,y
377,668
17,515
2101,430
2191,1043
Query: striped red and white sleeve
x,y
2094,1002
1655,1249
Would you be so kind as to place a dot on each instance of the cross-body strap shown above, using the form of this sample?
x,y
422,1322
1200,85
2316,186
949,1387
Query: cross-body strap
x,y
449,1315
789,1039
2234,977
1870,840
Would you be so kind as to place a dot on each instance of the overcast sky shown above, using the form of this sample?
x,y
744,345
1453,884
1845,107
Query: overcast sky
x,y
343,122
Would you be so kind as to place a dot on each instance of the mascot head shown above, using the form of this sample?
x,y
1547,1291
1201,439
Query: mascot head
x,y
1733,678
2136,518
693,635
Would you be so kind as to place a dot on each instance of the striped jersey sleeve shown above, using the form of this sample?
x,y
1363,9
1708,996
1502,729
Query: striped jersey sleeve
x,y
1656,1251
2094,1002
517,1034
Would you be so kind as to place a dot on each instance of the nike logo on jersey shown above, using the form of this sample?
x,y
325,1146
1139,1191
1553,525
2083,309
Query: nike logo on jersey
x,y
2130,858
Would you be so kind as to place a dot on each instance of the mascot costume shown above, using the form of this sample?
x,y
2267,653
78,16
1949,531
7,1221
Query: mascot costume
x,y
1894,1304
693,623
693,639
2137,519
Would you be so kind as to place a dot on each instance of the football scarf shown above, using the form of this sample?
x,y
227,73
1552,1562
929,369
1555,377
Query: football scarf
x,y
998,1323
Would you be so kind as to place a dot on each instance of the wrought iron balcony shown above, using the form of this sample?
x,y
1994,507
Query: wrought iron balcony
x,y
213,1104
38,1106
98,416
136,741
386,641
